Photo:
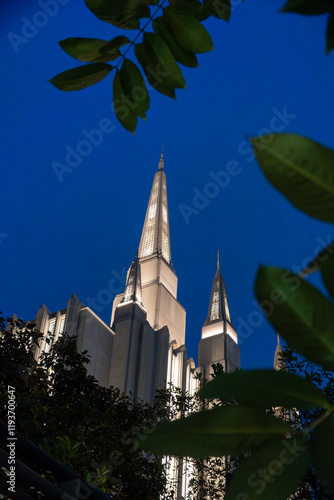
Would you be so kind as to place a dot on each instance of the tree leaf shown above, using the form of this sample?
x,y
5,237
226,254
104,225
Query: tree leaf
x,y
301,169
159,64
123,14
227,430
273,471
330,34
200,11
264,389
296,309
322,440
308,7
126,115
155,80
181,55
93,49
219,8
134,87
81,77
187,30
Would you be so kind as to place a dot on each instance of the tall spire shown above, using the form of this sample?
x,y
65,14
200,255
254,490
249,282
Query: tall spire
x,y
218,308
155,235
133,290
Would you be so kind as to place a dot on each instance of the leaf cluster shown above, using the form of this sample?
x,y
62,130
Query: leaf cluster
x,y
178,36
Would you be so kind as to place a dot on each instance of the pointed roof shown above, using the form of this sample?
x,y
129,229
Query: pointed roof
x,y
155,235
133,291
218,308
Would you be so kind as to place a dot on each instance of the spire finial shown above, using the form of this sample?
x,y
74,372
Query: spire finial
x,y
278,339
218,263
161,162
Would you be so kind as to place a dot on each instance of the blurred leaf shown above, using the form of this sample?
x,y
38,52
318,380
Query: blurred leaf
x,y
322,440
273,472
126,115
81,77
219,8
187,30
123,14
133,85
308,7
227,430
264,389
181,55
296,309
301,169
93,49
199,10
330,34
159,64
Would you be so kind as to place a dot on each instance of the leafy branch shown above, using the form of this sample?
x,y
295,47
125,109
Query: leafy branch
x,y
178,35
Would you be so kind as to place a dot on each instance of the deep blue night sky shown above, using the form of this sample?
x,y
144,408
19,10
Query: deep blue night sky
x,y
74,236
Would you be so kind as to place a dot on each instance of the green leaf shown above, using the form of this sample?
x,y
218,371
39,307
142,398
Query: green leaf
x,y
126,115
81,77
296,309
200,11
227,430
134,88
93,49
219,8
273,472
159,64
187,30
301,169
264,389
156,82
308,7
181,55
322,440
330,34
123,14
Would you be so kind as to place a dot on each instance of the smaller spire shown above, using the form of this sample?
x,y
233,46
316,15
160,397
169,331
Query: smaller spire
x,y
133,290
161,162
218,308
